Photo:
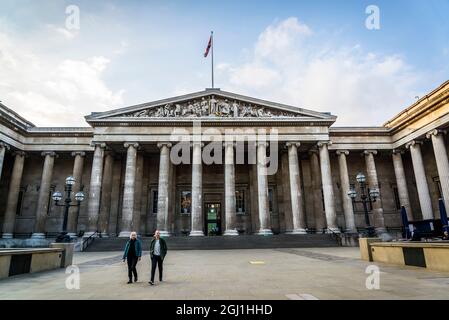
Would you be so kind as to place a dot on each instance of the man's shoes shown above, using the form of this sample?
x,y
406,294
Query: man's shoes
x,y
151,282
160,280
130,281
135,279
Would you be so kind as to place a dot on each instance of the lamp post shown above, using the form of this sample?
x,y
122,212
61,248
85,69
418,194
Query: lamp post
x,y
57,196
364,199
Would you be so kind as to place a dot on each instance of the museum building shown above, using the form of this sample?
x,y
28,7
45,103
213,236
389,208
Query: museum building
x,y
219,163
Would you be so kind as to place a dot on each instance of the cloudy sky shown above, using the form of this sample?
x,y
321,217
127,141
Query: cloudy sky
x,y
312,54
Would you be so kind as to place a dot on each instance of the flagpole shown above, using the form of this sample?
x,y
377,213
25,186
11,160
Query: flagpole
x,y
212,60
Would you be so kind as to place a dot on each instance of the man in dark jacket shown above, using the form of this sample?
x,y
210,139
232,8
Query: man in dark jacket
x,y
132,254
158,250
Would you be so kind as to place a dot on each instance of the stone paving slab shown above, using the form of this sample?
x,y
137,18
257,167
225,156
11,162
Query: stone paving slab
x,y
321,273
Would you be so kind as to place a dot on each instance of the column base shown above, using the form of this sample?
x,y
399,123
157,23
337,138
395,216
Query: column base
x,y
297,231
231,232
7,236
89,233
38,235
265,232
196,234
333,230
124,234
165,233
72,235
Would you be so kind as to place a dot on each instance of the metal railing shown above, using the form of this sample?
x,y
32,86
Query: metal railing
x,y
337,237
86,243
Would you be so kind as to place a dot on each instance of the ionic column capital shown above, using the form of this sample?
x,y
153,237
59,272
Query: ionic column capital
x,y
49,153
292,143
19,153
367,152
162,144
397,151
340,152
197,143
98,144
131,144
413,143
4,145
78,153
321,144
229,143
435,132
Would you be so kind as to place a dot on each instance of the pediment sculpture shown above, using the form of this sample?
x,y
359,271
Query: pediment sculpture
x,y
209,107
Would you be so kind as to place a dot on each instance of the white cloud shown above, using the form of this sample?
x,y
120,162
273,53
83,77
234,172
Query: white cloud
x,y
289,65
50,91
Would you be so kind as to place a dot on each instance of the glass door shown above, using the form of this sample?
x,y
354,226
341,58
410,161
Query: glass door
x,y
213,219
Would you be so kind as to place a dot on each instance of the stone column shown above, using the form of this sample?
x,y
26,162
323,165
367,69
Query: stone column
x,y
373,182
163,189
230,205
13,195
78,165
439,148
3,147
262,189
401,183
93,205
128,192
44,193
421,180
197,191
115,197
106,189
346,200
328,189
138,192
298,214
320,217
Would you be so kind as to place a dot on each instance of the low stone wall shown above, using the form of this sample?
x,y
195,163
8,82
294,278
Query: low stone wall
x,y
15,261
25,243
430,255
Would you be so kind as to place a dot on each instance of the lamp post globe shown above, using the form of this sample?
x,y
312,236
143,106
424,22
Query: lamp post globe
x,y
360,178
79,196
70,181
57,196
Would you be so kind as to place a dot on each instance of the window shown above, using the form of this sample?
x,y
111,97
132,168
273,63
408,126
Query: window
x,y
240,201
270,199
186,202
52,190
397,202
19,202
155,198
436,180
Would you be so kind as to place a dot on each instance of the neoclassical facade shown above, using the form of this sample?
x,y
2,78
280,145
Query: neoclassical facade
x,y
219,163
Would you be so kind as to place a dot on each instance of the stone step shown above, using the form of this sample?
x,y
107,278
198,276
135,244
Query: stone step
x,y
222,242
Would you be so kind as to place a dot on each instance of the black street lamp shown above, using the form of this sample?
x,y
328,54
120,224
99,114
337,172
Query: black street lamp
x,y
57,196
365,199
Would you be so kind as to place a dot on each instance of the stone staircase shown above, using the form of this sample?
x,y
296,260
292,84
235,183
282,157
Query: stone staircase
x,y
222,242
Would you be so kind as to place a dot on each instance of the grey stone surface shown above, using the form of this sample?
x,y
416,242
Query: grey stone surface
x,y
324,273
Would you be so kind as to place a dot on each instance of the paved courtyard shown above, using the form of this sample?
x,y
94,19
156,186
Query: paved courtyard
x,y
319,273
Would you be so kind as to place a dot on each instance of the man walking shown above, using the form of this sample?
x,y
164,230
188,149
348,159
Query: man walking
x,y
158,250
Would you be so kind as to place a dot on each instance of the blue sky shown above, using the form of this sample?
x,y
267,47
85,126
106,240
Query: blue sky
x,y
312,54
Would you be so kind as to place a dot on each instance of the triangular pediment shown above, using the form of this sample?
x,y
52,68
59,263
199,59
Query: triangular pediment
x,y
210,103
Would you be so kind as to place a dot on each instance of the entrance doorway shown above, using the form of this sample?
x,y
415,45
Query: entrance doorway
x,y
213,218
